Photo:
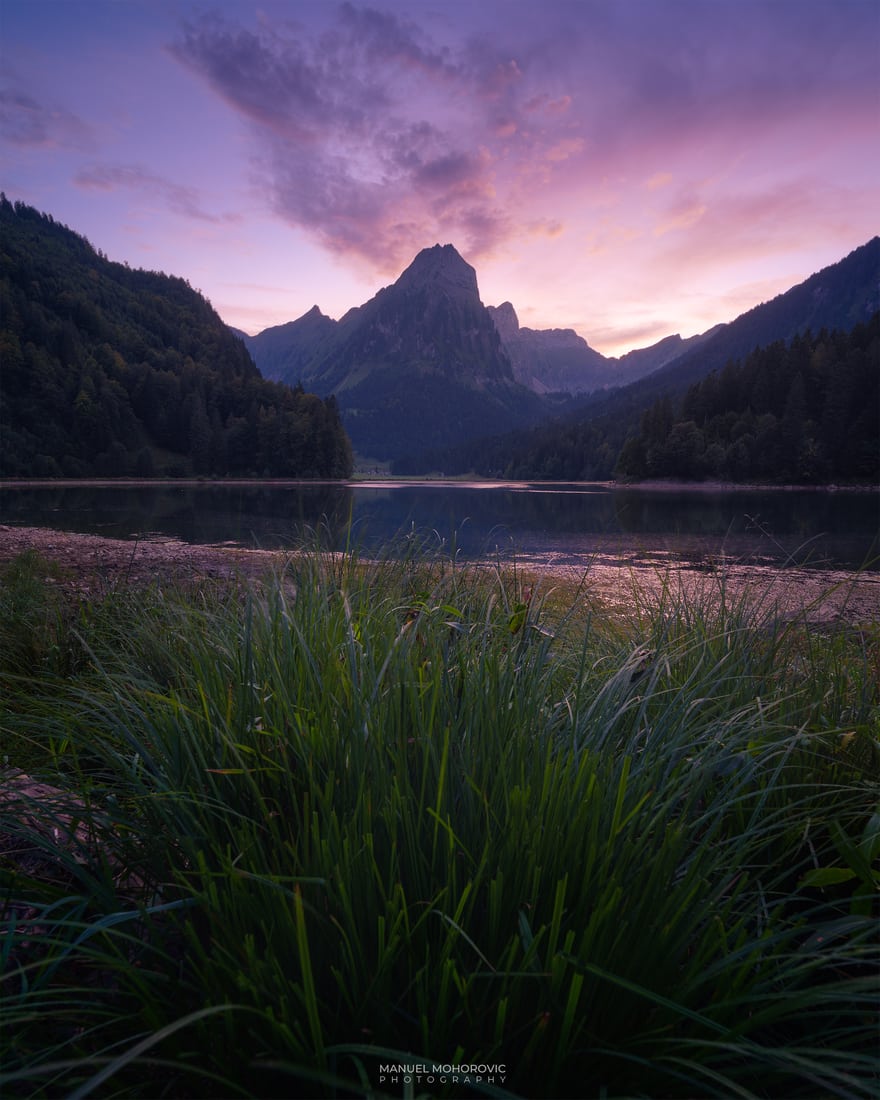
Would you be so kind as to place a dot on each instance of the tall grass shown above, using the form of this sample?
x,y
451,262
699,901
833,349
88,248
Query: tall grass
x,y
404,812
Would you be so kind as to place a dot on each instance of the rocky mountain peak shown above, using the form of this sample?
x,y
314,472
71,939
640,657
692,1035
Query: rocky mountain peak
x,y
506,320
549,360
441,268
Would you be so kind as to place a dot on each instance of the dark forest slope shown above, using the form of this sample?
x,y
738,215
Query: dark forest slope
x,y
800,413
110,371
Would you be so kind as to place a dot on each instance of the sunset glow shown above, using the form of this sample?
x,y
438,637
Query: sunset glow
x,y
626,168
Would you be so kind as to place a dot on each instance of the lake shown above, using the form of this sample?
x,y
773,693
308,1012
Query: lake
x,y
570,523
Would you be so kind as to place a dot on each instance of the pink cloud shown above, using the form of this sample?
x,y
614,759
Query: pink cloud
x,y
545,105
769,219
361,156
658,180
681,215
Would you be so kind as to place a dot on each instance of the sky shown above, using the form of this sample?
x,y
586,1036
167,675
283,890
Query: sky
x,y
626,168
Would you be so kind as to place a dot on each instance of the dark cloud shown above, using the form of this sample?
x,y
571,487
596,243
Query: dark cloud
x,y
180,200
384,38
276,88
447,172
485,229
407,149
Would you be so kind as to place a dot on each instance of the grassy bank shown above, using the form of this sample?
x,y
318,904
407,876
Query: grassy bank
x,y
407,813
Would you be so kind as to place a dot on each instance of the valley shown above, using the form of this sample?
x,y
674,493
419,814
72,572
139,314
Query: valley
x,y
114,372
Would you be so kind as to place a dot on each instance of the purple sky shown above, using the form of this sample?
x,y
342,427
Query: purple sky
x,y
627,168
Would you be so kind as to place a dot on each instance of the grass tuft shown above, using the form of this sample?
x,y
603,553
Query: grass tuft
x,y
263,841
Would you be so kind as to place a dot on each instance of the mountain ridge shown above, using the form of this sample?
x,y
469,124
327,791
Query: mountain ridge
x,y
429,331
550,360
422,366
838,297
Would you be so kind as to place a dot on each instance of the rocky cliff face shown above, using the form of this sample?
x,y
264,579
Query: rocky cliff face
x,y
430,320
424,364
550,360
443,270
557,360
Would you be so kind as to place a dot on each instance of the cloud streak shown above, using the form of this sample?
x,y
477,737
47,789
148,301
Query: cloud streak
x,y
180,200
26,122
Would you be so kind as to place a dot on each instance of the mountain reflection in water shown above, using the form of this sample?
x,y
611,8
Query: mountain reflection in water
x,y
538,521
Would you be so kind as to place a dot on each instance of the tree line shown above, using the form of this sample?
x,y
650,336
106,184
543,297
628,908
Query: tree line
x,y
111,371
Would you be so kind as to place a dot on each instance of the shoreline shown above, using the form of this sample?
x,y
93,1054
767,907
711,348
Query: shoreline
x,y
660,485
615,581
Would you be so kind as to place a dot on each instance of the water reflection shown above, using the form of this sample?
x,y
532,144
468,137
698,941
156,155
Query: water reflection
x,y
473,519
247,515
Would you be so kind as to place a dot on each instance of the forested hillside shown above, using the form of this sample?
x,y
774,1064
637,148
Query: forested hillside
x,y
110,371
808,413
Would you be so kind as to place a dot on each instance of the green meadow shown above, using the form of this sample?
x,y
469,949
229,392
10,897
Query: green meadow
x,y
411,813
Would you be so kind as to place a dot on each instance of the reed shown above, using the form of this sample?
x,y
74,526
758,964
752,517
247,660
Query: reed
x,y
408,812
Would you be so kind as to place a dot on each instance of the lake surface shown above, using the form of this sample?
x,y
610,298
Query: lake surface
x,y
568,523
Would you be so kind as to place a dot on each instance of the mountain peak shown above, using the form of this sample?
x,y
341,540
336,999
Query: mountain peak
x,y
442,268
506,320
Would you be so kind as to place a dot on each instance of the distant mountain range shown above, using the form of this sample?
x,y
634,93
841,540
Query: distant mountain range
x,y
325,354
424,366
559,361
550,361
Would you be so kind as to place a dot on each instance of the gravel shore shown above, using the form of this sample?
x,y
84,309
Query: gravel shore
x,y
91,563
